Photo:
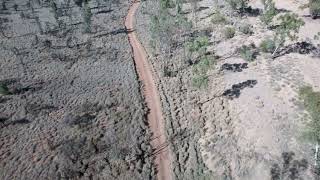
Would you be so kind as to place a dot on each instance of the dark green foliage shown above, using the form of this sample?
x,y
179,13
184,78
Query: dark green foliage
x,y
229,32
268,45
248,53
269,11
200,81
4,90
246,29
199,44
203,66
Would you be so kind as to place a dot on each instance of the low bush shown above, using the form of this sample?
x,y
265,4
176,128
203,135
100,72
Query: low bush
x,y
268,45
218,18
229,32
198,44
248,53
314,7
4,90
269,11
287,29
246,29
311,100
203,66
239,5
200,81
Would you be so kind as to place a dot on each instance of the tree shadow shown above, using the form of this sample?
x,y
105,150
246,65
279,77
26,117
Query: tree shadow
x,y
291,169
299,47
235,90
236,67
116,32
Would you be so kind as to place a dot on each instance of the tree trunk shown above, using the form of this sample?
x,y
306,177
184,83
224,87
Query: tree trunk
x,y
316,155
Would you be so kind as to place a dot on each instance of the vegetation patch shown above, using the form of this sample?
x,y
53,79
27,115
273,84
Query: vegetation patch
x,y
203,65
246,29
311,101
238,5
218,18
287,29
229,32
4,90
200,81
269,12
290,168
314,6
267,45
248,53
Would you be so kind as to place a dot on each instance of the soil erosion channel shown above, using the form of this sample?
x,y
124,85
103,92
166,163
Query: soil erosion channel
x,y
155,118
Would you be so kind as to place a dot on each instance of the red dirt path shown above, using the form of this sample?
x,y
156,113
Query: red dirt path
x,y
155,117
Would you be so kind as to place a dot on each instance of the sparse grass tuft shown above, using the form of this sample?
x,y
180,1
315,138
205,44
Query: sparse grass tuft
x,y
229,32
200,81
4,90
203,66
218,18
246,29
268,45
311,101
269,11
198,44
247,53
314,6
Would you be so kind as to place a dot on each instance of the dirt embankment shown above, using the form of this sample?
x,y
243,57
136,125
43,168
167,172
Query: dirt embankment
x,y
75,109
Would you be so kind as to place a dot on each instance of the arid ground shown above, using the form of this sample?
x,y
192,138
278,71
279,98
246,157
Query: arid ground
x,y
159,89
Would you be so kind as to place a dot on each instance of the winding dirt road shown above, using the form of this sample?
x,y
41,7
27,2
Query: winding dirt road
x,y
155,118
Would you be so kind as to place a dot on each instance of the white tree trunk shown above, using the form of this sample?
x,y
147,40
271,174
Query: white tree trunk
x,y
316,155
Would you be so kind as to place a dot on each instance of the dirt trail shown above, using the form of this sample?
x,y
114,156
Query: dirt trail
x,y
155,118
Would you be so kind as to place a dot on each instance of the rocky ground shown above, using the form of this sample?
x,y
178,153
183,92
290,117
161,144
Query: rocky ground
x,y
255,131
74,109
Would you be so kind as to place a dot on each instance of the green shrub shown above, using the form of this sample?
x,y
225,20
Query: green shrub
x,y
218,18
268,45
200,81
314,7
247,53
203,66
238,4
269,11
229,32
288,29
311,100
246,29
4,90
200,45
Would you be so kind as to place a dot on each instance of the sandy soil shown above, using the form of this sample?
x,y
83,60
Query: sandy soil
x,y
155,118
267,119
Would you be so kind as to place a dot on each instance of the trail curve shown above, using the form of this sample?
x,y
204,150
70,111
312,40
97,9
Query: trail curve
x,y
155,117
